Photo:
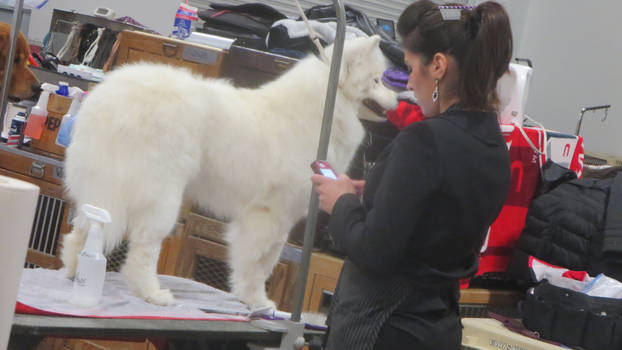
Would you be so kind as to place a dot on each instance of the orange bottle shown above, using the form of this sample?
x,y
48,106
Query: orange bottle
x,y
39,113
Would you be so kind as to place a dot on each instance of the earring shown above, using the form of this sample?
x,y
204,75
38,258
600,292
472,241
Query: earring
x,y
435,93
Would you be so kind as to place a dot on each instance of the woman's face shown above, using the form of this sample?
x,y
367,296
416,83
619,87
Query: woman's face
x,y
421,83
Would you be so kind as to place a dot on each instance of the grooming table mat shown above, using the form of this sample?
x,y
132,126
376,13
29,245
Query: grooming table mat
x,y
48,292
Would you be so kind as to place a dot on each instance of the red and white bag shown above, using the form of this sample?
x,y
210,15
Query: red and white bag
x,y
525,162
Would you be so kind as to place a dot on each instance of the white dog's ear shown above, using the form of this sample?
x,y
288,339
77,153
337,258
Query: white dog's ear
x,y
374,41
358,48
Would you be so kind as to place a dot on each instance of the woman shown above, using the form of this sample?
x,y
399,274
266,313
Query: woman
x,y
432,194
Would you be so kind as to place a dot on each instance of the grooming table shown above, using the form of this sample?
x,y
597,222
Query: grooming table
x,y
203,317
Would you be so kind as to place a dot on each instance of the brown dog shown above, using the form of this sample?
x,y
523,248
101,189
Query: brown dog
x,y
24,83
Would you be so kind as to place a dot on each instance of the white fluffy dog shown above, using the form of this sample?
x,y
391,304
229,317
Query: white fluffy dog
x,y
151,135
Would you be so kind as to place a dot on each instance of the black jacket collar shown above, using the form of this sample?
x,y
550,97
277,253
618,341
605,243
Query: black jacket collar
x,y
482,125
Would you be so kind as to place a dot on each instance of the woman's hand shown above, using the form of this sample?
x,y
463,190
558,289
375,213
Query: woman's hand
x,y
359,185
330,190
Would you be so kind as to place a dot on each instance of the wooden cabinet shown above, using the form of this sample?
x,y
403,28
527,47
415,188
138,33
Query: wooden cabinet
x,y
52,213
324,271
138,46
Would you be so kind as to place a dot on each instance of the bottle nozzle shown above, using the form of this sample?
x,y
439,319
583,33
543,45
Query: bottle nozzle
x,y
75,93
49,87
96,214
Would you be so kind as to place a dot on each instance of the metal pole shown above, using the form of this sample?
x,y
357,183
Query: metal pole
x,y
329,108
586,109
17,22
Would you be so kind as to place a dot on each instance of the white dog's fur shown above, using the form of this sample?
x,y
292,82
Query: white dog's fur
x,y
151,135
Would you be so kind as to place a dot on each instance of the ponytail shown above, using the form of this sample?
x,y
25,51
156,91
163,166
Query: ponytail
x,y
488,57
480,41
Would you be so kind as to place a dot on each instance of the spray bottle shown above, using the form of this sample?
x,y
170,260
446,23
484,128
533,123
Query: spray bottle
x,y
64,133
63,88
39,113
89,281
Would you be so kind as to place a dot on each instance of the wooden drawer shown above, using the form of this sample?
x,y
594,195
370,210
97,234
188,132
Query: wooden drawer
x,y
138,46
31,167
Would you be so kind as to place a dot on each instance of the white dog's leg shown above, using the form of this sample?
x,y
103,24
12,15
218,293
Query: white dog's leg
x,y
140,268
256,239
72,245
145,240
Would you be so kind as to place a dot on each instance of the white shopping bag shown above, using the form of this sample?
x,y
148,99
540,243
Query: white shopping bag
x,y
513,89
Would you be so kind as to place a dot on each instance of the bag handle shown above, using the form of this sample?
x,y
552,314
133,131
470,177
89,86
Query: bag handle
x,y
533,147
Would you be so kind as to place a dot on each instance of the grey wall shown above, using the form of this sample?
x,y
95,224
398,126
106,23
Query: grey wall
x,y
577,54
517,10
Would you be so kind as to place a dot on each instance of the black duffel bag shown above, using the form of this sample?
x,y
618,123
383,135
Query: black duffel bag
x,y
573,318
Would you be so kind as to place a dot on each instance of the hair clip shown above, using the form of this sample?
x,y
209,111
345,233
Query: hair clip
x,y
452,12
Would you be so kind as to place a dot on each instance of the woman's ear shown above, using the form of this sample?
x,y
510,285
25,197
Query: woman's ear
x,y
438,66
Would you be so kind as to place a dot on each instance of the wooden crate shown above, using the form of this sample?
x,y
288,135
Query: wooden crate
x,y
203,257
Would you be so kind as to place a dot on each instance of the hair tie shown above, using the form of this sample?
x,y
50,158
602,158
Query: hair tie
x,y
453,12
473,23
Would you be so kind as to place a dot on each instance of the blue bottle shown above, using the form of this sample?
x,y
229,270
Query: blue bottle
x,y
64,133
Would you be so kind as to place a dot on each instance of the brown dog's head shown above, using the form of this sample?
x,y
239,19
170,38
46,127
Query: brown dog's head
x,y
23,83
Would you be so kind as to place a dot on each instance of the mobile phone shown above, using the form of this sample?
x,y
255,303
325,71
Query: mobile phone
x,y
323,168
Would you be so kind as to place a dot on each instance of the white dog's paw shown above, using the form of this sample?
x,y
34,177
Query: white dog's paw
x,y
265,306
162,297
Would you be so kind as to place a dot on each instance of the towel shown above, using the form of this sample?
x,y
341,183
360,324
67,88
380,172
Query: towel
x,y
44,291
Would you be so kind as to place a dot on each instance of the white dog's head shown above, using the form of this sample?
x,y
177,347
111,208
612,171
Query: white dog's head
x,y
363,65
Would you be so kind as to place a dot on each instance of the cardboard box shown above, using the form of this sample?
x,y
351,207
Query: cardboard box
x,y
488,333
57,107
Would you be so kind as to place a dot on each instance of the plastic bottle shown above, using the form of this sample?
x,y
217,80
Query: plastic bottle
x,y
64,134
63,88
88,283
39,113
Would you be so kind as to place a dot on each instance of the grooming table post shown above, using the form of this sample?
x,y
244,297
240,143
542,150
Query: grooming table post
x,y
293,338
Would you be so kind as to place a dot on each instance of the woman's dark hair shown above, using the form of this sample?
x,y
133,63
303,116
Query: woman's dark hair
x,y
480,41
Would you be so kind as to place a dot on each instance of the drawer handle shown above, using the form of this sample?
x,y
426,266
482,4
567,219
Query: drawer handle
x,y
169,49
37,169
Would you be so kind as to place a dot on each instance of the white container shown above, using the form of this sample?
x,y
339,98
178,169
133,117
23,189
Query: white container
x,y
88,283
18,202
